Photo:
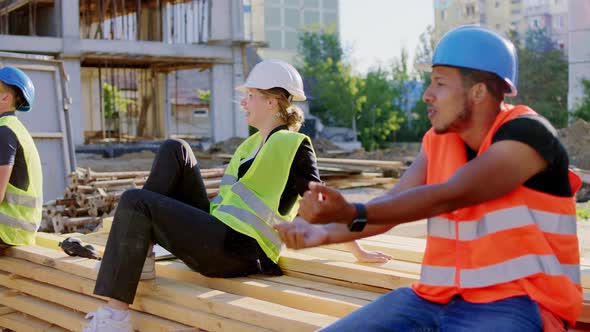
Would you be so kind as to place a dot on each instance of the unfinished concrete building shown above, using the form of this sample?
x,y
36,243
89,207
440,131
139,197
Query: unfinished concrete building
x,y
124,59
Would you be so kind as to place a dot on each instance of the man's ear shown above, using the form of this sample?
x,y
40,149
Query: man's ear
x,y
479,92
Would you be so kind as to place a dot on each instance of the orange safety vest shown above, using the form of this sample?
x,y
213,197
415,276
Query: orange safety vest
x,y
523,243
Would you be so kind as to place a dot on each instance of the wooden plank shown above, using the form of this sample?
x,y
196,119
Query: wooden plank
x,y
311,300
18,321
79,302
345,271
5,310
397,252
207,306
335,303
69,319
343,256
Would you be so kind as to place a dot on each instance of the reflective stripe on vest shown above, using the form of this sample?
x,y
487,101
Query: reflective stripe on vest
x,y
263,217
513,269
28,201
17,223
217,199
502,220
228,180
250,218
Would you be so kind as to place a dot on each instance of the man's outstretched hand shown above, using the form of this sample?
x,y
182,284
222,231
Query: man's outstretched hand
x,y
322,205
299,234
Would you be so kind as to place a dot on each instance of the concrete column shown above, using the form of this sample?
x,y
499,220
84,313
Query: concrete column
x,y
221,103
70,32
240,123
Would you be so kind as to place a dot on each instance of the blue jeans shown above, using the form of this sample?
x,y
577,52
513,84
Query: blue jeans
x,y
403,311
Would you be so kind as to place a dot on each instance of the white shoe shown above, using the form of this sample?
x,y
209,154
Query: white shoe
x,y
148,271
102,322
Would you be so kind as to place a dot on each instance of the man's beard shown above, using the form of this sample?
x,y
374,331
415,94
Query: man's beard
x,y
461,118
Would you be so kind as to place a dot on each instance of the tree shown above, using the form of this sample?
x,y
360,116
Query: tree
x,y
543,77
582,111
379,117
332,87
413,129
114,104
337,96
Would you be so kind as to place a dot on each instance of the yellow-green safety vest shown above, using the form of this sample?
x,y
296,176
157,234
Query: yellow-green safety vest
x,y
250,205
20,211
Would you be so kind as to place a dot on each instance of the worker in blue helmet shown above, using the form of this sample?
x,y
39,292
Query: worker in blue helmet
x,y
21,179
493,180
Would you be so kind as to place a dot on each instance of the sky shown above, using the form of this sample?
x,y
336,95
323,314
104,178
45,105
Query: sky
x,y
375,31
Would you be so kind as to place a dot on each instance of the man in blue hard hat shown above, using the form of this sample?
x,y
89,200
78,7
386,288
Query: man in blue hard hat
x,y
21,179
493,180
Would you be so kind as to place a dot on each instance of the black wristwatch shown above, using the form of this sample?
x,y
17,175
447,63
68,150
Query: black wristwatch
x,y
360,220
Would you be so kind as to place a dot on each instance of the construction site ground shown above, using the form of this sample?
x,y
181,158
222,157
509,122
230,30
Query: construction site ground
x,y
43,289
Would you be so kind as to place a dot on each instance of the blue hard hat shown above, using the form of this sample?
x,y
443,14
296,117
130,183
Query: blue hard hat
x,y
474,47
14,76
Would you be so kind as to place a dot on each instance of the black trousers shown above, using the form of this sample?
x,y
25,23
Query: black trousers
x,y
172,210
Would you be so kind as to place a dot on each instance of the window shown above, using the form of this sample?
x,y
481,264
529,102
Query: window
x,y
272,17
291,40
311,4
515,11
200,112
331,4
442,15
497,4
311,17
329,19
273,37
292,18
515,1
558,22
470,10
292,3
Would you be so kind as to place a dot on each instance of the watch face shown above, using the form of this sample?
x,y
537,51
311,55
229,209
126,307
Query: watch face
x,y
357,225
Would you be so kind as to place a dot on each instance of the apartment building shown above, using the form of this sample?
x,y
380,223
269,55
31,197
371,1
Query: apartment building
x,y
579,49
551,15
284,21
504,16
120,55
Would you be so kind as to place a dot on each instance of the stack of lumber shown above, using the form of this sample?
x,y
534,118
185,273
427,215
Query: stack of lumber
x,y
92,196
349,173
42,285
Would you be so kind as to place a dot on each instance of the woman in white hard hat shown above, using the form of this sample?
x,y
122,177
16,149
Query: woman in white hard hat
x,y
233,234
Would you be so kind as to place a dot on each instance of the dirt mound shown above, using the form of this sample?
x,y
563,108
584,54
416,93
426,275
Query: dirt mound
x,y
228,146
576,140
322,145
399,152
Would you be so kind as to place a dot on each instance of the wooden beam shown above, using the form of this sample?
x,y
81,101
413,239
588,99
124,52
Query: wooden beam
x,y
180,301
18,321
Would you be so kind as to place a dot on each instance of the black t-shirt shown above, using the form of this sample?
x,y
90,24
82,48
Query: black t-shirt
x,y
11,153
538,133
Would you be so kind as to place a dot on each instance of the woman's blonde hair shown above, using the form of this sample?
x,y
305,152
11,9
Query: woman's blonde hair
x,y
291,114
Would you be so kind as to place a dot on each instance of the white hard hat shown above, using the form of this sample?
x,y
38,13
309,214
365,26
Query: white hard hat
x,y
270,74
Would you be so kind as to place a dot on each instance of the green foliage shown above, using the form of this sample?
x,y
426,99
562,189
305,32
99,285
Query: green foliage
x,y
583,213
582,111
337,96
413,129
543,77
204,95
379,117
114,103
332,87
